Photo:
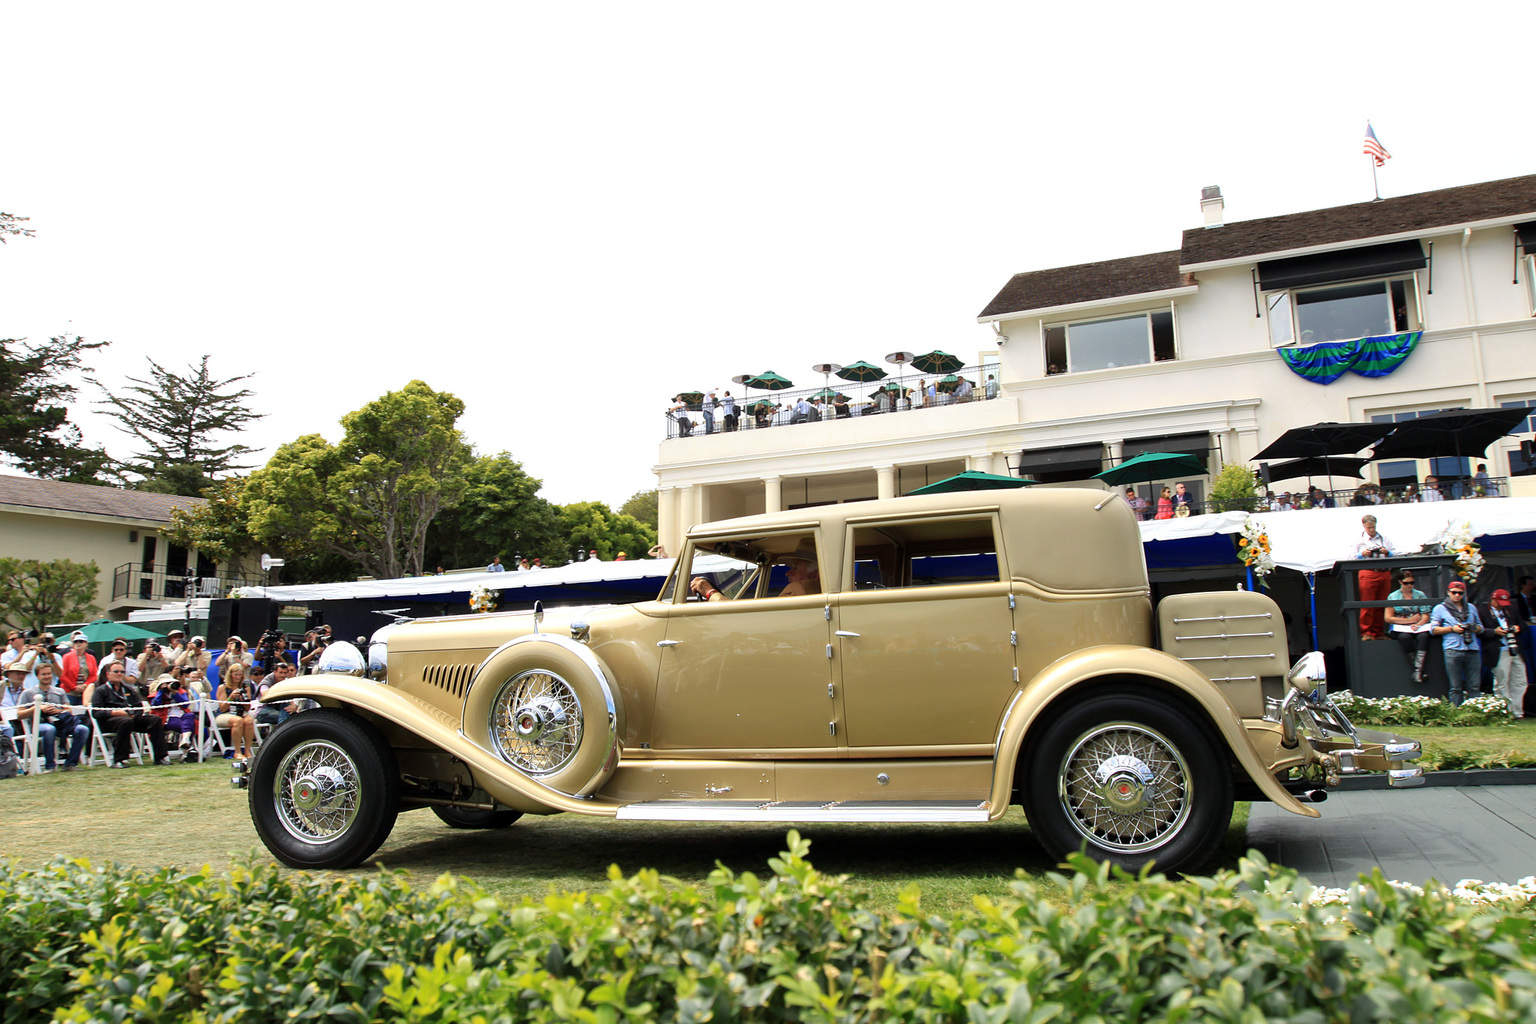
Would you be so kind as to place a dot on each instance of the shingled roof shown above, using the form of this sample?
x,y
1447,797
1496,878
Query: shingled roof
x,y
88,499
1088,282
1508,199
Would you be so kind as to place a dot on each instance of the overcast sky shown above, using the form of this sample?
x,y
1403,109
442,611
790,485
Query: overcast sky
x,y
565,213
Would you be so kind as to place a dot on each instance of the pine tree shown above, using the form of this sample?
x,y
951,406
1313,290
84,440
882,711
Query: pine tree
x,y
175,419
35,395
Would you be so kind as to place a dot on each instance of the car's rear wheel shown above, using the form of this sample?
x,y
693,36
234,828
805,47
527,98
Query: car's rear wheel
x,y
1129,778
324,790
472,817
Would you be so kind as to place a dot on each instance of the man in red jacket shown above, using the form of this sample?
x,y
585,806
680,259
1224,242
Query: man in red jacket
x,y
79,668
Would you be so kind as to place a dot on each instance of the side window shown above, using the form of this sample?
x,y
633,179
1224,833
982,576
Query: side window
x,y
754,568
926,553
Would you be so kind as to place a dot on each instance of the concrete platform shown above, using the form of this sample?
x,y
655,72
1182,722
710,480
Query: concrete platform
x,y
1439,832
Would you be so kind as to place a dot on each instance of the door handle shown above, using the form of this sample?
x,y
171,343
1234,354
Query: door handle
x,y
845,632
667,643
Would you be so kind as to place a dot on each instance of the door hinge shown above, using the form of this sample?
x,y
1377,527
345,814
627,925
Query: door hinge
x,y
831,691
1013,638
829,650
1010,602
1015,673
832,728
826,613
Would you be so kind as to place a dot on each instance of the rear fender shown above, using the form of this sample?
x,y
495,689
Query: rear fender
x,y
503,782
1036,699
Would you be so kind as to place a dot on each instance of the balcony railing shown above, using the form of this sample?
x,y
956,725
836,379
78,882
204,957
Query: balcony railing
x,y
1286,500
134,583
777,408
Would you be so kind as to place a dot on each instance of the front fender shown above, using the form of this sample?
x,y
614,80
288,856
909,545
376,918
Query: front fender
x,y
503,782
1099,664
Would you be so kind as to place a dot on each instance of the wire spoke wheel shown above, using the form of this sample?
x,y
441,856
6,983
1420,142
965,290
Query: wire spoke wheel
x,y
1125,787
1129,777
536,722
318,791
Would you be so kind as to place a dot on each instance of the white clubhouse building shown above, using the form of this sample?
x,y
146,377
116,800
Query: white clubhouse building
x,y
1190,350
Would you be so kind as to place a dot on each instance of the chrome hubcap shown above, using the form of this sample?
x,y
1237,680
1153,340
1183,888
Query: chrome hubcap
x,y
1125,787
317,792
536,722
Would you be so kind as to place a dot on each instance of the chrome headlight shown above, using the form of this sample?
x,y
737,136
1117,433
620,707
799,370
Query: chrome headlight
x,y
378,653
1309,674
344,658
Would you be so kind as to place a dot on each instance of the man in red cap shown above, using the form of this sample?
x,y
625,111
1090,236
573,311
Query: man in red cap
x,y
1502,620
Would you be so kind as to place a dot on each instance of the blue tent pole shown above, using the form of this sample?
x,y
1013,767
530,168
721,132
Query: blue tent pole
x,y
1312,589
1250,578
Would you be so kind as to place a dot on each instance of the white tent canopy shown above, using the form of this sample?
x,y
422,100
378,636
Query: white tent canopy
x,y
1312,540
577,573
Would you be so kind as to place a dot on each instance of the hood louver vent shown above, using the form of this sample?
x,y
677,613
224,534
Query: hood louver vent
x,y
452,678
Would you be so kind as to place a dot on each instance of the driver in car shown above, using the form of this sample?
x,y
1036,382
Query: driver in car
x,y
804,578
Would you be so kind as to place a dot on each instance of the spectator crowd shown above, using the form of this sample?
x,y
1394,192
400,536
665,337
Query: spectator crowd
x,y
56,696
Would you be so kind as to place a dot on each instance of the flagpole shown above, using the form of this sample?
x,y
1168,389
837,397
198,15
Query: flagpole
x,y
1374,184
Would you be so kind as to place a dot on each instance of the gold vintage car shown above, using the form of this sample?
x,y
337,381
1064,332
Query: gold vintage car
x,y
919,659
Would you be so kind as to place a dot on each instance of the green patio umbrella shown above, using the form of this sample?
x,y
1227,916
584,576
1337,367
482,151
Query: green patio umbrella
x,y
760,405
828,393
937,362
770,381
1149,466
103,630
861,372
971,480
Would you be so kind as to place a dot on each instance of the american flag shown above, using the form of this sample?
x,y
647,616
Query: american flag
x,y
1374,148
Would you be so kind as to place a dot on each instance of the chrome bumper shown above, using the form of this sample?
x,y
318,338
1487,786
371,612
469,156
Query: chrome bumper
x,y
1339,747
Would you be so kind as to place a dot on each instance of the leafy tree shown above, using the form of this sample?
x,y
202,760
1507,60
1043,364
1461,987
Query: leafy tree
x,y
1234,489
370,499
500,513
592,525
175,417
35,395
642,505
34,593
10,224
218,528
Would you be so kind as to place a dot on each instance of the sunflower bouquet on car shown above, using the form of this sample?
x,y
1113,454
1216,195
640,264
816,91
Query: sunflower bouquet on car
x,y
483,599
1457,540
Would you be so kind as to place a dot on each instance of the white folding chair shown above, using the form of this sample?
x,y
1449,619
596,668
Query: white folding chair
x,y
24,734
102,745
210,738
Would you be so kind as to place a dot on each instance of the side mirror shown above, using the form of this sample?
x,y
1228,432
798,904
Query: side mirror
x,y
538,614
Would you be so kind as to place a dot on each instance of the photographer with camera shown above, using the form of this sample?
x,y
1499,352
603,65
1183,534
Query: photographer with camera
x,y
196,655
1458,626
176,707
1375,584
234,711
153,663
234,650
315,642
120,708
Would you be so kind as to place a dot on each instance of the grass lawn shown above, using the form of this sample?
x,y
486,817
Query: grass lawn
x,y
188,815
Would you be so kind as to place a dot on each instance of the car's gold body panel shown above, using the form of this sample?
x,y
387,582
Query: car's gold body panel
x,y
900,694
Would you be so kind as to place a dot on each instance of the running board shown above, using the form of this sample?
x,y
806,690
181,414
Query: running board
x,y
753,810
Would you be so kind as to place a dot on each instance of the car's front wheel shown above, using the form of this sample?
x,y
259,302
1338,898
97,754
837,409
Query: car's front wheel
x,y
324,790
1129,778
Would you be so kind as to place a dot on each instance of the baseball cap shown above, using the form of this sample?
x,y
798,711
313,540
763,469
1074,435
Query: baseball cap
x,y
1500,597
1456,585
76,637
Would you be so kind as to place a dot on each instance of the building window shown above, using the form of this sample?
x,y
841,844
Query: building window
x,y
1362,309
1105,344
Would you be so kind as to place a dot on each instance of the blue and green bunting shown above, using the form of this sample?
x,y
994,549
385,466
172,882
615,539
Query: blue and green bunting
x,y
1326,362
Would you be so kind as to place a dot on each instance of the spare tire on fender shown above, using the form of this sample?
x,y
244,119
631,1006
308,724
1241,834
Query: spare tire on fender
x,y
548,707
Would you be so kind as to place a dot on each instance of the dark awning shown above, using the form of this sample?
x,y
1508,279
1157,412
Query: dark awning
x,y
1198,445
1526,234
1068,457
1344,265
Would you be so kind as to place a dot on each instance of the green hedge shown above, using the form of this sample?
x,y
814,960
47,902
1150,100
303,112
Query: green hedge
x,y
91,943
1430,711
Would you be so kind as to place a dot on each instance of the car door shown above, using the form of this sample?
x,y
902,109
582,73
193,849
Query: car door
x,y
748,674
924,639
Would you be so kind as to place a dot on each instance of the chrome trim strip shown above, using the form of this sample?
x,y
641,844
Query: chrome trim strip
x,y
741,810
1226,618
1232,657
1225,636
